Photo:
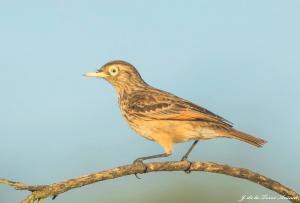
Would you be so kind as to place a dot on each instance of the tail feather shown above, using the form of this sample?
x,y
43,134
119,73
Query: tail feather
x,y
258,142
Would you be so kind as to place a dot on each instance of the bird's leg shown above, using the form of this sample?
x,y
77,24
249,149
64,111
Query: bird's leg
x,y
185,157
141,159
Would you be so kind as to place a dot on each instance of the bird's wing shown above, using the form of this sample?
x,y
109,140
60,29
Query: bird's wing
x,y
160,105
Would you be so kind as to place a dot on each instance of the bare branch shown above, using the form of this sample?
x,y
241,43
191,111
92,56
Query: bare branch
x,y
44,191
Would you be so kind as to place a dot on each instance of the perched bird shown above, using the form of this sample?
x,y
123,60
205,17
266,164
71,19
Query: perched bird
x,y
163,117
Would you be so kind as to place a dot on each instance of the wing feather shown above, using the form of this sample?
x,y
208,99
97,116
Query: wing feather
x,y
161,105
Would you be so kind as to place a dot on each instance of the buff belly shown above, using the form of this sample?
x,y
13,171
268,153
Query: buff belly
x,y
167,133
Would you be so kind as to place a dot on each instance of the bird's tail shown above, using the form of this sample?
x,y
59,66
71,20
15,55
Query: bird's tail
x,y
258,142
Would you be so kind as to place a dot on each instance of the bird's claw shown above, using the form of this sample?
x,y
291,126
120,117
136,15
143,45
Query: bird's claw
x,y
140,161
137,176
188,170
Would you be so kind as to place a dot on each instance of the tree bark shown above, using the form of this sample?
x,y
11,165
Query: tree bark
x,y
40,192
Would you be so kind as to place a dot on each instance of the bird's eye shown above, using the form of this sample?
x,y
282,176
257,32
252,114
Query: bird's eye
x,y
113,71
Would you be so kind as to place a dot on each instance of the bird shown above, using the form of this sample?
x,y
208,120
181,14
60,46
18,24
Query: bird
x,y
163,117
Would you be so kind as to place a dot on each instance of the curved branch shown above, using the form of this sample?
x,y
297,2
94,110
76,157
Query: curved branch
x,y
44,191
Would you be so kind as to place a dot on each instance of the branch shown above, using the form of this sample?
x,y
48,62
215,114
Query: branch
x,y
40,192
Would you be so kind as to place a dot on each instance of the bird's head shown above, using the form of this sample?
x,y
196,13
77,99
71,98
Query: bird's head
x,y
120,74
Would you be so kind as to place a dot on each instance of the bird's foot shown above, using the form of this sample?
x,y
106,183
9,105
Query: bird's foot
x,y
140,161
188,170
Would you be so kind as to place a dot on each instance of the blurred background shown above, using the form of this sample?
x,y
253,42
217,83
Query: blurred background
x,y
238,58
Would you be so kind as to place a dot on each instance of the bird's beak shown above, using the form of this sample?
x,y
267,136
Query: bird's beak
x,y
98,74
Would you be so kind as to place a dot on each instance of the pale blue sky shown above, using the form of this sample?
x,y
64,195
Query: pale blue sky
x,y
240,59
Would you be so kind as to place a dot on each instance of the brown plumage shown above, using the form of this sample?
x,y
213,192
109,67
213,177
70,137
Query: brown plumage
x,y
163,117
